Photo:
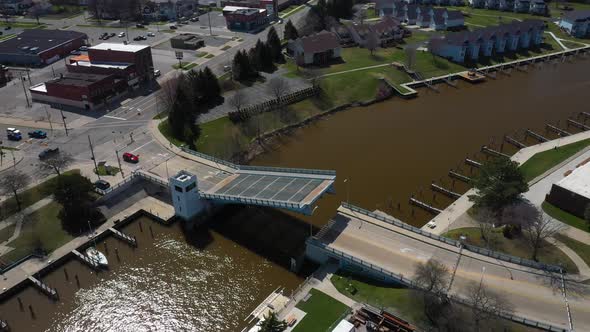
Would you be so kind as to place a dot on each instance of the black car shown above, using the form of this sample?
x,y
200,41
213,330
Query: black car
x,y
48,153
102,185
139,26
173,27
137,38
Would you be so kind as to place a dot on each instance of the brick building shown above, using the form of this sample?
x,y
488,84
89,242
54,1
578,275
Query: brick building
x,y
86,91
245,19
38,47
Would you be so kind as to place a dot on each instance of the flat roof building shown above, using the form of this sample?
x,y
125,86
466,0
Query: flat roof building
x,y
38,47
572,193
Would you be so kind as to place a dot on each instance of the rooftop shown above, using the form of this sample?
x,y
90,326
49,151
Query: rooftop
x,y
78,79
578,181
119,47
319,42
35,41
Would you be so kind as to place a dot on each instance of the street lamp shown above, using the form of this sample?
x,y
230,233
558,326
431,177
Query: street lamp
x,y
310,223
347,181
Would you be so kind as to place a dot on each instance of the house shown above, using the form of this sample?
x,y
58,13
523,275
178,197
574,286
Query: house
x,y
388,30
522,6
477,3
245,19
538,7
343,34
576,23
187,41
316,49
485,42
491,4
454,20
438,19
163,10
506,5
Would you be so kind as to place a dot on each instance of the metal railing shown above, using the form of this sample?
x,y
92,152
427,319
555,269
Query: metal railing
x,y
255,201
210,158
287,170
152,178
472,248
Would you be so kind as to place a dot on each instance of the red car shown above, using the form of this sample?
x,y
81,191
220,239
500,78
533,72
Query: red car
x,y
130,158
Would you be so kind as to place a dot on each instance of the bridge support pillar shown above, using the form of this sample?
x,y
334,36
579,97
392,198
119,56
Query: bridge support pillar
x,y
186,199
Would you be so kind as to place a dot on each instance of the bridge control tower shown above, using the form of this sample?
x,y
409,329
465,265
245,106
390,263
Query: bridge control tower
x,y
185,195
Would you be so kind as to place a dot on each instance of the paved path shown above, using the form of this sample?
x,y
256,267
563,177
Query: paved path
x,y
584,269
557,40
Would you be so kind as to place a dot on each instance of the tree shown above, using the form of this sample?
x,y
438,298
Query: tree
x,y
538,230
74,193
238,100
499,183
340,8
587,215
485,304
212,89
203,86
410,52
271,323
278,86
372,42
273,42
56,163
290,32
433,278
169,89
12,181
242,69
321,10
183,118
486,220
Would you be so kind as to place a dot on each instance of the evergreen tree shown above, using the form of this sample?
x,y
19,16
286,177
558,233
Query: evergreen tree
x,y
179,113
242,68
290,32
273,42
254,56
321,9
271,323
212,87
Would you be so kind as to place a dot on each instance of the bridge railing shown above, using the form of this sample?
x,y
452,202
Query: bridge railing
x,y
472,248
411,284
151,178
254,201
208,157
287,170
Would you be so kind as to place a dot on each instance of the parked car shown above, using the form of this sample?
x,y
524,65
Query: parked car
x,y
48,153
13,134
121,34
130,158
102,185
139,26
194,19
151,34
143,37
157,73
111,35
75,52
137,38
8,28
37,134
83,48
173,27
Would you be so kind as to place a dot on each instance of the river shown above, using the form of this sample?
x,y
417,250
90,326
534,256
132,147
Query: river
x,y
210,278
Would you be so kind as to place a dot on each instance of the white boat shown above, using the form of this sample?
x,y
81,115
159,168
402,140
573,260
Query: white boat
x,y
97,256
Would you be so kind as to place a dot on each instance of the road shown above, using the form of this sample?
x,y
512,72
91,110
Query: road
x,y
533,293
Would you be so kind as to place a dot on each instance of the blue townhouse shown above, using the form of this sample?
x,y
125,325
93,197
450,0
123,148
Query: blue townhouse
x,y
576,23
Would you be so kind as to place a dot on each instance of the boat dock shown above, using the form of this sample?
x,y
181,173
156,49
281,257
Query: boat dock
x,y
459,176
131,240
444,191
44,288
86,260
559,131
492,152
473,163
514,142
472,77
536,136
4,326
578,124
425,206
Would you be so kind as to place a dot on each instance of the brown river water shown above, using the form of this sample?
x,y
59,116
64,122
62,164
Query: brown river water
x,y
210,278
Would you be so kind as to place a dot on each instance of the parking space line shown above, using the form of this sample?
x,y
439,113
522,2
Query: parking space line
x,y
141,146
113,117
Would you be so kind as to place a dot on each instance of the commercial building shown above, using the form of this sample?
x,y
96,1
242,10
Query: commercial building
x,y
38,47
86,91
316,49
576,23
269,5
572,193
245,19
489,41
187,41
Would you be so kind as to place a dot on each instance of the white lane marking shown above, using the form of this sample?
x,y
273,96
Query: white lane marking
x,y
141,146
113,117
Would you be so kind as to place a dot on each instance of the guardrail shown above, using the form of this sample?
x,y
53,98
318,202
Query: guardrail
x,y
210,158
151,178
478,250
245,200
115,187
411,284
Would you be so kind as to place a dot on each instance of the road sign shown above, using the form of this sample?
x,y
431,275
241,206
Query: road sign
x,y
179,55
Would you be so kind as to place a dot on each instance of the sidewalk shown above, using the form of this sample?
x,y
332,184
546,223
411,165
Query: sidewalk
x,y
18,220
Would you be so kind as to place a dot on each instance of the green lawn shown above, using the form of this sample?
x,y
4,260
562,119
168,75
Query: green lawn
x,y
185,65
225,48
106,170
31,196
6,232
290,11
43,229
322,312
565,217
515,247
25,25
5,37
400,300
165,130
582,249
209,56
543,161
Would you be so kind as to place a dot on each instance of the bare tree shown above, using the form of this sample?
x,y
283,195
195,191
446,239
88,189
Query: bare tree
x,y
278,86
432,276
410,52
361,15
238,100
169,89
12,181
486,304
487,220
519,214
56,163
539,230
372,42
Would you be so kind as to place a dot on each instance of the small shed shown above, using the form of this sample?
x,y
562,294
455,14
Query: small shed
x,y
344,326
187,41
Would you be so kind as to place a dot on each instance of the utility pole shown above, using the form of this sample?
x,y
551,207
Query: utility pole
x,y
24,89
52,70
29,76
49,119
93,158
63,118
119,161
209,19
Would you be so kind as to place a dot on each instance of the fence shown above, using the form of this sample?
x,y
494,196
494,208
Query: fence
x,y
478,250
210,158
272,104
287,170
244,200
411,284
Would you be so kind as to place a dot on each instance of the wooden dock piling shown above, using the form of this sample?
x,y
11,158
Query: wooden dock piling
x,y
557,130
127,238
492,152
473,163
536,136
4,325
86,260
514,142
424,206
444,191
459,176
44,288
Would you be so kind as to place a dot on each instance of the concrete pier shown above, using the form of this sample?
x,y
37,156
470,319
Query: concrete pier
x,y
473,163
425,206
514,142
536,136
86,260
132,241
493,152
44,288
459,176
578,124
558,130
444,191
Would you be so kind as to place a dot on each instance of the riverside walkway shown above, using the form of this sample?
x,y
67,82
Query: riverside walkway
x,y
387,248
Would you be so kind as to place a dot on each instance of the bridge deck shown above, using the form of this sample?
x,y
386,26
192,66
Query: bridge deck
x,y
533,293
